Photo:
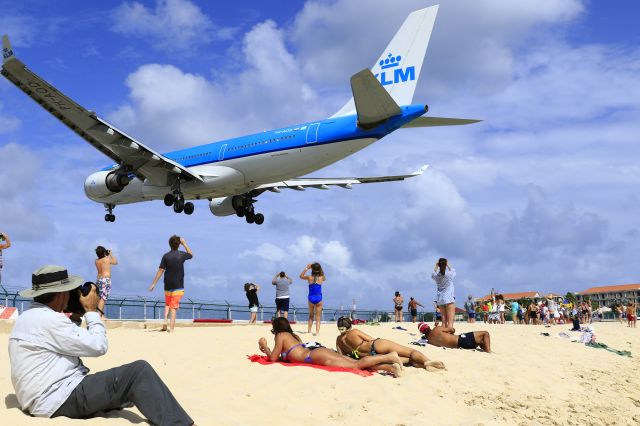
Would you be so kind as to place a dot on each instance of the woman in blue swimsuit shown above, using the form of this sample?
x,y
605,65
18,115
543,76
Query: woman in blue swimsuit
x,y
315,280
289,348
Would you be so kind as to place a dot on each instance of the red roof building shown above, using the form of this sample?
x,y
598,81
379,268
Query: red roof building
x,y
611,294
515,296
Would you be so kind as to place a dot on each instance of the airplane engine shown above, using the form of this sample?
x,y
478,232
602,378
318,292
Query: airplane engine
x,y
105,183
222,206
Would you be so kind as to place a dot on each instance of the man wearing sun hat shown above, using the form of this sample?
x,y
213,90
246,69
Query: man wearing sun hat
x,y
48,376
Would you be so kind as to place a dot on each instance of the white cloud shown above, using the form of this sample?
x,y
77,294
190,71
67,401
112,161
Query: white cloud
x,y
20,28
176,108
173,24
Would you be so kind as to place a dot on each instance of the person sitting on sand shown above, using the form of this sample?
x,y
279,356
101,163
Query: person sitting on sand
x,y
289,348
445,337
357,344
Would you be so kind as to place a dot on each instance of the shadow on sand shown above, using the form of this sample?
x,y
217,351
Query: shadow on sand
x,y
10,401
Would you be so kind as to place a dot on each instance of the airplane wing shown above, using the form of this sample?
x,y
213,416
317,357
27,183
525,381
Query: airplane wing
x,y
131,155
438,121
325,183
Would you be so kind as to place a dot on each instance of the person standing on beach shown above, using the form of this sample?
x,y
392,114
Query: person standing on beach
x,y
47,373
413,308
172,266
631,315
251,291
103,265
443,274
398,301
315,280
282,283
470,306
5,243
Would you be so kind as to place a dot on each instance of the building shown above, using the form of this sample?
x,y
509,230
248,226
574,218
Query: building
x,y
513,296
611,295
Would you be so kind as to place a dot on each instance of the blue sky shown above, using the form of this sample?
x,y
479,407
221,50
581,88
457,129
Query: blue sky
x,y
542,195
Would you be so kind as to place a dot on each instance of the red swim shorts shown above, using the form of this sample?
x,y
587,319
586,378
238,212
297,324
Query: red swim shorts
x,y
172,298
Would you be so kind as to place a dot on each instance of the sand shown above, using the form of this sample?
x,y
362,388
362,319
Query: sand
x,y
529,379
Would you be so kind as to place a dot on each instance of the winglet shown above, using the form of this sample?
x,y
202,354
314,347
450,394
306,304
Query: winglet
x,y
7,53
421,170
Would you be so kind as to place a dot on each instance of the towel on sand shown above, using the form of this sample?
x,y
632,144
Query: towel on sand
x,y
262,359
605,347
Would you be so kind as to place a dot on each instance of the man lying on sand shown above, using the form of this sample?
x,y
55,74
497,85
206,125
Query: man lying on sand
x,y
444,337
289,348
357,344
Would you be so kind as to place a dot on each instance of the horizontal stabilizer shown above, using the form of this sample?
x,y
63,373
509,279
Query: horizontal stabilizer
x,y
439,121
373,103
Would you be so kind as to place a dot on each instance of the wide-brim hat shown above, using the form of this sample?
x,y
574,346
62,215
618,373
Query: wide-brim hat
x,y
51,279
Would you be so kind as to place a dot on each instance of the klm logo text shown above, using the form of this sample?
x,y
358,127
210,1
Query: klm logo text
x,y
393,73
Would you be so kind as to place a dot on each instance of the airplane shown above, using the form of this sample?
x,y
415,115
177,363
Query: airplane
x,y
232,173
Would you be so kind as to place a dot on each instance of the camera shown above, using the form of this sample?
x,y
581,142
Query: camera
x,y
74,306
2,238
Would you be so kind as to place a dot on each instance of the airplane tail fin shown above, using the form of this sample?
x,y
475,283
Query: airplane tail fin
x,y
399,65
7,53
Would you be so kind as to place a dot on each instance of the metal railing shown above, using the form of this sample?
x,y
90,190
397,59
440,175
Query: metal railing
x,y
135,307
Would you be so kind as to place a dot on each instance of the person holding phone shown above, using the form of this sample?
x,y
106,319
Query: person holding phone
x,y
315,280
443,274
103,265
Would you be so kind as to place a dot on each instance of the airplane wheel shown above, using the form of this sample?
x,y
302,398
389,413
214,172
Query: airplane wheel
x,y
250,217
188,208
240,212
107,217
168,200
259,219
178,206
112,218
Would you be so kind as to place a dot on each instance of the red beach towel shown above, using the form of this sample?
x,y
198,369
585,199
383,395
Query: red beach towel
x,y
262,359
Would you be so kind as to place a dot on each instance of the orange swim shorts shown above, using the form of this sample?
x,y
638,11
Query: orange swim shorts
x,y
172,298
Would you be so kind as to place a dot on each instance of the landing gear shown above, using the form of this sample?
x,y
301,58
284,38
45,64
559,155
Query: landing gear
x,y
176,199
188,208
243,205
109,217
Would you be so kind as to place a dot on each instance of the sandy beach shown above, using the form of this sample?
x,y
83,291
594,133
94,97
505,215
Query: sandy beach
x,y
529,379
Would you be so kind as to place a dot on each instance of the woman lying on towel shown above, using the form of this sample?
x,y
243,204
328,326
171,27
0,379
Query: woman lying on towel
x,y
358,344
289,348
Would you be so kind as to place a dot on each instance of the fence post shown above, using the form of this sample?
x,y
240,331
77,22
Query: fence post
x,y
228,310
144,309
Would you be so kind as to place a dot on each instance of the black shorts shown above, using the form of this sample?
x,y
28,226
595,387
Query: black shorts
x,y
414,312
398,308
472,315
282,305
467,341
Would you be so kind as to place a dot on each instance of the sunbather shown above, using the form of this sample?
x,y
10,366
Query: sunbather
x,y
289,348
444,337
358,344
